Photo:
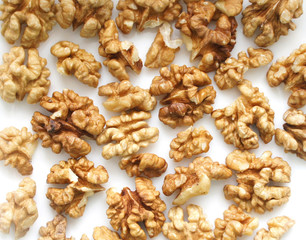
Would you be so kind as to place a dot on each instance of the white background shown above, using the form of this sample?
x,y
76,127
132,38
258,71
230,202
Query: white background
x,y
19,114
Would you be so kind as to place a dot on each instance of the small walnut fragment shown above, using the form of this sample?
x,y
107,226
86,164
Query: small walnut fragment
x,y
128,209
292,72
103,233
73,60
194,180
196,228
119,54
234,121
20,209
230,73
20,76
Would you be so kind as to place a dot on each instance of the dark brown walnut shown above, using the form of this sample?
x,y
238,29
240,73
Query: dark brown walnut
x,y
185,99
212,46
129,208
72,117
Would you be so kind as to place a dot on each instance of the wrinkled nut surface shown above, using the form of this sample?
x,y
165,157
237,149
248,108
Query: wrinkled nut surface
x,y
103,233
91,14
273,18
186,100
17,147
20,209
230,73
196,228
128,209
124,96
234,121
119,54
292,72
213,46
235,223
72,117
195,179
20,76
254,176
82,179
130,132
73,60
36,15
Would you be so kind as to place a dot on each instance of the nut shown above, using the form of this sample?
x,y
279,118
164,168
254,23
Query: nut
x,y
103,233
73,60
119,54
18,79
128,209
194,180
83,181
17,147
186,101
254,175
252,107
196,228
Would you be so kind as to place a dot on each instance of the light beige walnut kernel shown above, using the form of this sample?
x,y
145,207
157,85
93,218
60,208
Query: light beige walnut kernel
x,y
129,208
103,233
195,179
20,76
254,177
73,60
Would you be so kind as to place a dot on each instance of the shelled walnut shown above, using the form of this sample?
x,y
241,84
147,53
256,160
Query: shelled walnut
x,y
83,181
72,117
273,18
73,60
124,96
129,131
102,233
194,180
19,209
119,54
252,107
196,228
186,101
128,209
213,46
292,72
230,73
253,177
37,16
91,14
20,76
146,14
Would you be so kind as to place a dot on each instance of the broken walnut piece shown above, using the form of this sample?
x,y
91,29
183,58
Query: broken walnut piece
x,y
73,60
195,179
129,208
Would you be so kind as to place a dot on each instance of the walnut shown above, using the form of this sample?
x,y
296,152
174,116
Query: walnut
x,y
119,54
252,107
194,180
73,117
103,233
230,73
213,46
20,209
163,49
129,131
91,14
20,76
186,102
146,14
196,228
128,209
235,223
37,16
124,96
253,177
147,164
291,71
83,180
73,60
